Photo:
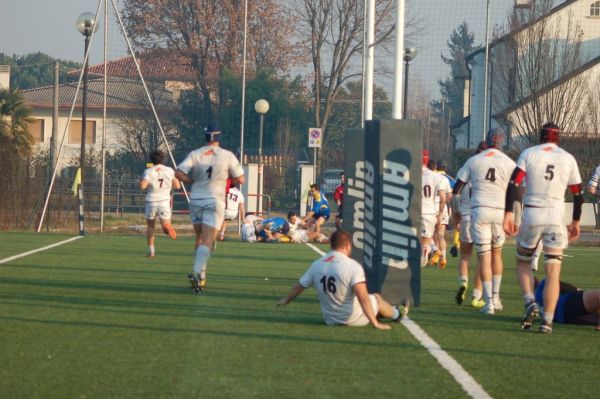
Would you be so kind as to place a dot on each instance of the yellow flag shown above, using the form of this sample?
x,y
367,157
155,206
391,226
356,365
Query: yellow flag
x,y
76,182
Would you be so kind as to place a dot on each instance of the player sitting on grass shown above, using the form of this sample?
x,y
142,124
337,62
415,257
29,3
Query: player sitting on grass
x,y
574,306
158,181
299,234
342,289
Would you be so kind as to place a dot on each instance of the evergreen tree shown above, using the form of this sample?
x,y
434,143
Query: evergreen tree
x,y
34,70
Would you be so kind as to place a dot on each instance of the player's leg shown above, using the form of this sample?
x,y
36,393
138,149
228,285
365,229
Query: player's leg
x,y
164,215
498,238
387,310
441,238
150,237
318,223
552,266
222,231
427,232
466,250
481,231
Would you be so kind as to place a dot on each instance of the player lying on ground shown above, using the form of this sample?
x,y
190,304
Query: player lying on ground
x,y
574,306
300,233
158,181
342,289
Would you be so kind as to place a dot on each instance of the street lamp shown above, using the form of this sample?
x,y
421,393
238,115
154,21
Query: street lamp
x,y
262,107
409,54
86,25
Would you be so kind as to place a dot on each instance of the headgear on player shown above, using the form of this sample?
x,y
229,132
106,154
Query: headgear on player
x,y
549,133
212,132
482,146
494,138
425,157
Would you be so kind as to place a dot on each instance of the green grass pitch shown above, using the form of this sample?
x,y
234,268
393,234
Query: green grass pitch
x,y
94,318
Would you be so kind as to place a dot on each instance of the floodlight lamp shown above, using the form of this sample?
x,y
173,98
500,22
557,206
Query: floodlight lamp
x,y
85,23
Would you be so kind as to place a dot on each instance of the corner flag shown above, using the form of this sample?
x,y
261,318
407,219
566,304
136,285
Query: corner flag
x,y
76,182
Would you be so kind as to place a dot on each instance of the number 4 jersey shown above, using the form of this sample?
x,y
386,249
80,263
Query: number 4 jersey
x,y
489,173
333,276
160,179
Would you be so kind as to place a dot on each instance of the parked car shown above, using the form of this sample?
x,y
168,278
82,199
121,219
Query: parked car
x,y
329,180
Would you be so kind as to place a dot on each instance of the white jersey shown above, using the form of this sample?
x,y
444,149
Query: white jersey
x,y
160,179
431,184
549,170
333,276
595,179
209,167
234,199
444,185
465,200
489,173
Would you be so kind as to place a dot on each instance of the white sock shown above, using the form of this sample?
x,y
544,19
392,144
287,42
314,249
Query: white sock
x,y
528,298
496,280
151,249
433,248
487,291
396,314
202,255
463,280
548,317
476,293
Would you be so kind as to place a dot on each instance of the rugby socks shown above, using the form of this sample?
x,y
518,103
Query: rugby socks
x,y
487,291
455,237
463,280
150,250
528,298
496,280
202,255
396,313
548,317
476,293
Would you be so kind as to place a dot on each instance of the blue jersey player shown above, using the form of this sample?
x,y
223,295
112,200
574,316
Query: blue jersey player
x,y
320,211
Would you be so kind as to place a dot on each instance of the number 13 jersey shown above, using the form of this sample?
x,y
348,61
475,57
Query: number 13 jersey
x,y
489,173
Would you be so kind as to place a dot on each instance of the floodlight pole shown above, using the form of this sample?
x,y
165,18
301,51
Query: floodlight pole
x,y
83,134
398,72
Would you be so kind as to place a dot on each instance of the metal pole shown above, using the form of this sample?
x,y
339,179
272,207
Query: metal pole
x,y
54,139
83,134
364,62
370,61
485,77
243,83
260,165
315,165
104,118
405,102
397,105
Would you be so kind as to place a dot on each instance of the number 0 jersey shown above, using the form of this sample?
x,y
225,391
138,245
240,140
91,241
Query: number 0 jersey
x,y
333,276
549,170
209,167
431,184
489,173
160,179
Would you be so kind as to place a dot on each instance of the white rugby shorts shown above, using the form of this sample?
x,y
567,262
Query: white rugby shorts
x,y
162,209
545,224
428,223
299,236
465,229
358,318
209,211
486,228
230,215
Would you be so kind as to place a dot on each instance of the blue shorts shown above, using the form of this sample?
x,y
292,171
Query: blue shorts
x,y
324,215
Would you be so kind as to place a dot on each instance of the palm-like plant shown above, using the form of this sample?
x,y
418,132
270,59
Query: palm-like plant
x,y
14,120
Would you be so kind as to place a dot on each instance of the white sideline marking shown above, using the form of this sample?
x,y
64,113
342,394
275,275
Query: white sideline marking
x,y
24,254
464,379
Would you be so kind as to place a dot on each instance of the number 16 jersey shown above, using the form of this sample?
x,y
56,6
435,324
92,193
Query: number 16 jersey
x,y
489,173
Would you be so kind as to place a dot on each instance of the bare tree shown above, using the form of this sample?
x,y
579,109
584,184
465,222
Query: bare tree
x,y
536,74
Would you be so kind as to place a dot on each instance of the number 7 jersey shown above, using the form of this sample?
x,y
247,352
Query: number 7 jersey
x,y
489,173
549,170
160,179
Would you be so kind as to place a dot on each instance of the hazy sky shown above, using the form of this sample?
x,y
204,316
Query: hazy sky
x,y
49,26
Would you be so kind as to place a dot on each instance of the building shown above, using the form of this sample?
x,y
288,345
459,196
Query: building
x,y
545,69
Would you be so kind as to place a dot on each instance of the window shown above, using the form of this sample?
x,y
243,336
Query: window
x,y
36,130
75,132
595,9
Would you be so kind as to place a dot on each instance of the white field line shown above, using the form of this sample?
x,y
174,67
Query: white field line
x,y
24,254
464,379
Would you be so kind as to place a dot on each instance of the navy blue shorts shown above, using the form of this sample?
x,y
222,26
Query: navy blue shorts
x,y
574,310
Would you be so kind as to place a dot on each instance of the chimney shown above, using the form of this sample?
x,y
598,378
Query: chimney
x,y
4,77
523,11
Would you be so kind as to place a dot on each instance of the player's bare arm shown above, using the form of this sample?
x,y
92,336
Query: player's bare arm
x,y
574,229
144,184
360,290
296,290
183,177
238,180
455,201
176,184
442,195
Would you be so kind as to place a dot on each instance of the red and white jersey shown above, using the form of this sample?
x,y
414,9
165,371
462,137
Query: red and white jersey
x,y
489,173
333,276
234,199
160,179
549,170
431,183
209,167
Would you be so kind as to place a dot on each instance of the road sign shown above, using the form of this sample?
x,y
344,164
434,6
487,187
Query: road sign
x,y
315,137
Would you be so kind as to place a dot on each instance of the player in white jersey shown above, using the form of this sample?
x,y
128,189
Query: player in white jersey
x,y
300,233
158,181
439,237
342,289
208,169
489,173
548,171
462,223
234,208
431,213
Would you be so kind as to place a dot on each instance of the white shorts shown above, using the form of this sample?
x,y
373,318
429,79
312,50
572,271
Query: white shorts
x,y
358,318
428,223
486,228
207,211
230,215
162,209
299,236
248,233
545,224
465,229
